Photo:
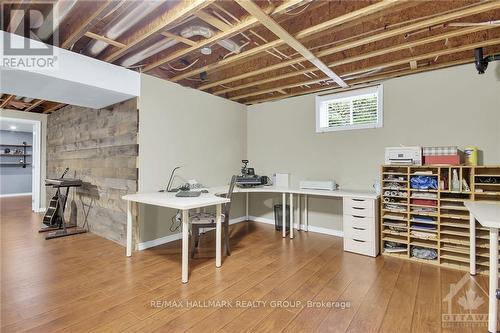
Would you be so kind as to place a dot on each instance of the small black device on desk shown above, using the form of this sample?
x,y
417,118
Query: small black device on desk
x,y
248,177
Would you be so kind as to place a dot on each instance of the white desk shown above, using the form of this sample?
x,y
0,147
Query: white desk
x,y
488,215
360,214
169,200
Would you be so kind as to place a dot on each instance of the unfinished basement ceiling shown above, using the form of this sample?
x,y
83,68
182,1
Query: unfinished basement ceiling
x,y
231,49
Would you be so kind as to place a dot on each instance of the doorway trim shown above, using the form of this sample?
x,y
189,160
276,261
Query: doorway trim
x,y
36,186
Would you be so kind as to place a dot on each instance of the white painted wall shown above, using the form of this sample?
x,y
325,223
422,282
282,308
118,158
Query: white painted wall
x,y
454,106
180,126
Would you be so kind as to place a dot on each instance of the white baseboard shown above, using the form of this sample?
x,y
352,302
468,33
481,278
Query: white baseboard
x,y
158,241
312,228
177,236
15,195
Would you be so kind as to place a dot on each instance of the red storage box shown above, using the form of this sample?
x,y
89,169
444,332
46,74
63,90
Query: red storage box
x,y
442,159
424,202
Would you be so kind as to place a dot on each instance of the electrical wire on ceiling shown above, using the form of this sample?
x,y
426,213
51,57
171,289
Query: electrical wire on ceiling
x,y
429,29
473,24
297,13
197,80
241,48
222,18
183,68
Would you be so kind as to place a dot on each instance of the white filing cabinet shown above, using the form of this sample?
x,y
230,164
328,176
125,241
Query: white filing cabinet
x,y
361,226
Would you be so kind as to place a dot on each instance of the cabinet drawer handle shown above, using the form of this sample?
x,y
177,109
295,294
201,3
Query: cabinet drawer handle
x,y
360,208
359,241
358,228
358,199
359,216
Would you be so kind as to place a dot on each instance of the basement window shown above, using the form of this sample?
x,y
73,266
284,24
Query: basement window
x,y
354,109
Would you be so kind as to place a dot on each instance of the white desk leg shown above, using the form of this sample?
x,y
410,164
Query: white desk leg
x,y
291,216
246,206
299,212
185,245
218,236
472,247
493,306
130,219
306,212
283,217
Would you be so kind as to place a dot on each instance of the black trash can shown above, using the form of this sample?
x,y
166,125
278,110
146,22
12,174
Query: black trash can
x,y
278,217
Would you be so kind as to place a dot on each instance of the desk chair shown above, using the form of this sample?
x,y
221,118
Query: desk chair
x,y
207,220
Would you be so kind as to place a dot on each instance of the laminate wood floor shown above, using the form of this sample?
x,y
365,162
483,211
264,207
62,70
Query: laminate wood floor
x,y
84,283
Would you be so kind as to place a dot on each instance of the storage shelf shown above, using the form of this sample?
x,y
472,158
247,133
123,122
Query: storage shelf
x,y
487,193
454,199
14,163
454,225
457,217
394,173
14,145
451,216
455,233
422,244
464,250
15,155
455,258
424,214
420,190
403,255
426,222
454,207
395,240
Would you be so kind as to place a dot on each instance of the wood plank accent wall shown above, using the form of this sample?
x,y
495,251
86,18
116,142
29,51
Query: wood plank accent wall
x,y
100,147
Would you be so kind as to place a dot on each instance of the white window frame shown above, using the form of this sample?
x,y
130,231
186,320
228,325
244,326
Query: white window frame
x,y
320,113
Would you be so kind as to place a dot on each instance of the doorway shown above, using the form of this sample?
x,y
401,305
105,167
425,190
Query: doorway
x,y
20,162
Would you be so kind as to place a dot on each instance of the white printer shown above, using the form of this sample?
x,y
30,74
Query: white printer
x,y
327,185
403,155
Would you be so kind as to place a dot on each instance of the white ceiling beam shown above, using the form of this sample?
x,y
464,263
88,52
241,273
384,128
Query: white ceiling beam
x,y
274,27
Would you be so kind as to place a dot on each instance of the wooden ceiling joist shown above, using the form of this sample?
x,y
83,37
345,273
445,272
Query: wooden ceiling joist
x,y
54,108
356,15
87,23
175,15
278,30
178,38
430,55
34,105
364,56
7,101
480,8
212,20
367,80
244,25
104,39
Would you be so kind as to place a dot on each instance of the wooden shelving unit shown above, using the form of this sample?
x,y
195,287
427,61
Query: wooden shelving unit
x,y
442,218
25,154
